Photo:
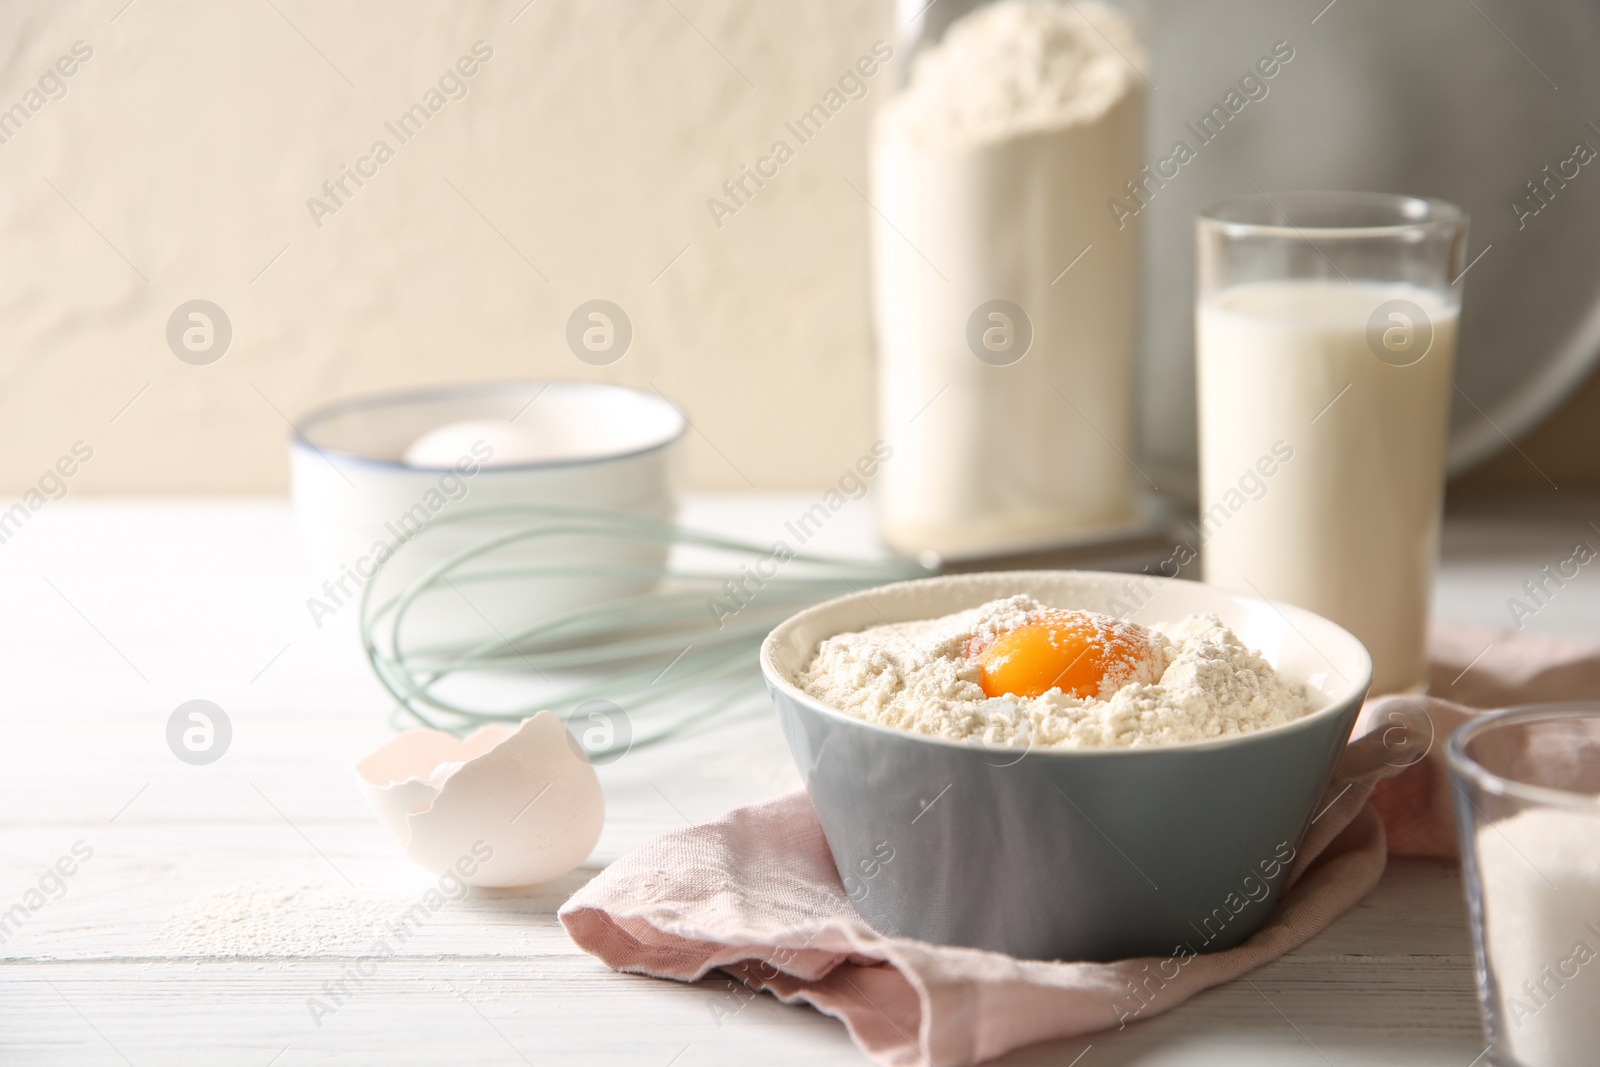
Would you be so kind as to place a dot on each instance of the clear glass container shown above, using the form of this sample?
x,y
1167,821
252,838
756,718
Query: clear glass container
x,y
1005,292
1326,326
919,23
1527,792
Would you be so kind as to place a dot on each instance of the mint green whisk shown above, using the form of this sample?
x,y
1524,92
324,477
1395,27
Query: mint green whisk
x,y
465,623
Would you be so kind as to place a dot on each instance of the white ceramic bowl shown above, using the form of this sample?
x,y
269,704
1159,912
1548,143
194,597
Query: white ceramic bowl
x,y
356,499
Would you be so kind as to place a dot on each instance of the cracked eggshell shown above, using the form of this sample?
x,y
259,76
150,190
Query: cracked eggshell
x,y
527,793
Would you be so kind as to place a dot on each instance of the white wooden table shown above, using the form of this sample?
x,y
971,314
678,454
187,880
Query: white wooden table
x,y
119,611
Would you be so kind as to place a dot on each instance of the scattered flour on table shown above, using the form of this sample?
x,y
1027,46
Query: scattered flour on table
x,y
1201,682
283,919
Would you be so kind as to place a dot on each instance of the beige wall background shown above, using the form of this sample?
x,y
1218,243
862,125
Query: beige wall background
x,y
179,162
179,159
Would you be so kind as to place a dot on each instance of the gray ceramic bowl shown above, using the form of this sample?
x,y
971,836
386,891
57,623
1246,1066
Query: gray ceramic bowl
x,y
1068,854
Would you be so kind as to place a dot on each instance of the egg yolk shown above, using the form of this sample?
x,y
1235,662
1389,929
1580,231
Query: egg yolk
x,y
1074,651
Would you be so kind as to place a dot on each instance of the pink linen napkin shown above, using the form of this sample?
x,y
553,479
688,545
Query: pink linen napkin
x,y
755,893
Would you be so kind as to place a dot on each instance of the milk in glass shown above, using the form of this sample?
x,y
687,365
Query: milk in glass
x,y
1324,411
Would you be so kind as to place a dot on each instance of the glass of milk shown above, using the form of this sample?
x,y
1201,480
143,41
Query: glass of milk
x,y
1527,791
1327,340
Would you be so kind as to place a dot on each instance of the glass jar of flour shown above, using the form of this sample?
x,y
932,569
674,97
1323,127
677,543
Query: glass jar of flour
x,y
1005,283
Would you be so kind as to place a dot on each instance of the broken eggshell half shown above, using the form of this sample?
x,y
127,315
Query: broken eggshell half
x,y
525,796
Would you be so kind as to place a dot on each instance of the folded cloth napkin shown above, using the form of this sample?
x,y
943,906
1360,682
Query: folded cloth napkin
x,y
755,893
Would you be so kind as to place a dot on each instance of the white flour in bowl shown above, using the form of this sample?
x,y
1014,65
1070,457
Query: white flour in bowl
x,y
1200,682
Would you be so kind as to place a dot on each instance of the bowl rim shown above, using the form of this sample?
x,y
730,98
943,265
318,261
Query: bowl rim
x,y
1352,699
301,430
1464,768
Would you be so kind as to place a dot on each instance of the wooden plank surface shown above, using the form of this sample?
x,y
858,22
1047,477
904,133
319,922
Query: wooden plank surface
x,y
123,610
